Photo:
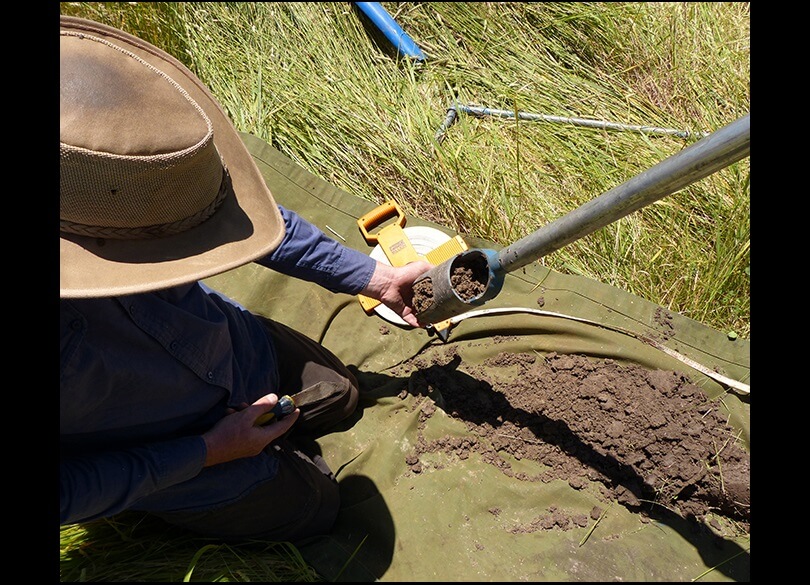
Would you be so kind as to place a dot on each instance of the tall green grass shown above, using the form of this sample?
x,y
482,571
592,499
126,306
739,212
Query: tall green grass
x,y
309,78
134,547
313,81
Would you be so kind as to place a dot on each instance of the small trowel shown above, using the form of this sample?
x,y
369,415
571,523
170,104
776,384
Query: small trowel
x,y
288,403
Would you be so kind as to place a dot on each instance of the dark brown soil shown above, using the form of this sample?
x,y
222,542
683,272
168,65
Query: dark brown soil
x,y
422,295
469,281
469,277
649,439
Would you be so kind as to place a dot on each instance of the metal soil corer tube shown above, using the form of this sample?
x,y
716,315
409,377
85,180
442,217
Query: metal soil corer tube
x,y
710,154
467,280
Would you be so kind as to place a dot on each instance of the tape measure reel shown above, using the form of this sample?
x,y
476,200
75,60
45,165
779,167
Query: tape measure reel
x,y
424,239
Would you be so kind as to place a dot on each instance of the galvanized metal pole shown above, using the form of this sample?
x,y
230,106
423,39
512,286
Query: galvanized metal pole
x,y
710,154
601,124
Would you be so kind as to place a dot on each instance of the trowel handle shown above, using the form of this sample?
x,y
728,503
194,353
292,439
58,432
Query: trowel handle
x,y
283,407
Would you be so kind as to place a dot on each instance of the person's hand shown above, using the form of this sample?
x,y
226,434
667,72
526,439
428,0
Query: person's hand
x,y
393,286
237,435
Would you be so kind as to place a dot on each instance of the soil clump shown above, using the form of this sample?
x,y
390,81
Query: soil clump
x,y
423,295
469,277
469,281
651,439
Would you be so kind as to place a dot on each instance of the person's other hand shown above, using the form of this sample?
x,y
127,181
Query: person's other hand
x,y
237,435
393,286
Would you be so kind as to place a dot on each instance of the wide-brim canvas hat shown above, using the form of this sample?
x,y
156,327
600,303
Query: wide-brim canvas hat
x,y
157,188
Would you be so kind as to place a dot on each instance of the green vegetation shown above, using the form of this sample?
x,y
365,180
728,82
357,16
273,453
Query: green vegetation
x,y
134,547
312,81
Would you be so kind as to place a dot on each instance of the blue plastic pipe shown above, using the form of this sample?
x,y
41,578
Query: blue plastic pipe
x,y
392,31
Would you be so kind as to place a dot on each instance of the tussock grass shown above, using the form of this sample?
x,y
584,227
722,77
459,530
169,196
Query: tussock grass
x,y
134,547
313,81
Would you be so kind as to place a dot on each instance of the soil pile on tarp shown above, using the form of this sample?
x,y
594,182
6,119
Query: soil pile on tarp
x,y
651,439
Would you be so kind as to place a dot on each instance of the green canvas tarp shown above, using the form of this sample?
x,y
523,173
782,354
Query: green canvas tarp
x,y
441,524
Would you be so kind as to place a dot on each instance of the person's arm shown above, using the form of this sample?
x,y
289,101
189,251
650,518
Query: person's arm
x,y
102,484
308,253
97,485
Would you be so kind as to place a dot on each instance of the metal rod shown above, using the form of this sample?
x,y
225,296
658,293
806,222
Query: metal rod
x,y
603,124
449,119
710,154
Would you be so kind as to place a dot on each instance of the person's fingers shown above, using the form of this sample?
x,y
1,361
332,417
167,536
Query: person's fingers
x,y
260,409
409,317
279,427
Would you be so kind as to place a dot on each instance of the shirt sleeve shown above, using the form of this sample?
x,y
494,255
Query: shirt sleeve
x,y
102,484
308,253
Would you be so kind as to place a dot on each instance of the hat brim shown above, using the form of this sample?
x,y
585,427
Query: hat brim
x,y
247,226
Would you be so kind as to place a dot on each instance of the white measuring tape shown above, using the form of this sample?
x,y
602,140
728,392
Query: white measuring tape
x,y
729,382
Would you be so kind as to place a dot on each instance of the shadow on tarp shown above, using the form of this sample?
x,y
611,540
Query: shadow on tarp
x,y
355,551
364,539
713,549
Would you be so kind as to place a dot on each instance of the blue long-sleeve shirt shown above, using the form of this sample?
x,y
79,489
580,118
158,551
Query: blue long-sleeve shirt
x,y
143,376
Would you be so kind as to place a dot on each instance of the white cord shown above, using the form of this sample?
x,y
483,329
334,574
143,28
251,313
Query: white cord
x,y
733,384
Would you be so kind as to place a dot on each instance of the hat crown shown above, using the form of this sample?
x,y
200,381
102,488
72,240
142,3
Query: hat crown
x,y
157,187
137,154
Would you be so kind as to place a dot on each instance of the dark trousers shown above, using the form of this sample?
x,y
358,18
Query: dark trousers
x,y
287,492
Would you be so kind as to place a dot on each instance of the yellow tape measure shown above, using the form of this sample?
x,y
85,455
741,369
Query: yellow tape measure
x,y
398,248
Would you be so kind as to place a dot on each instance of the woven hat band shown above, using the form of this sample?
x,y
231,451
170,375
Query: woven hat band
x,y
120,197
